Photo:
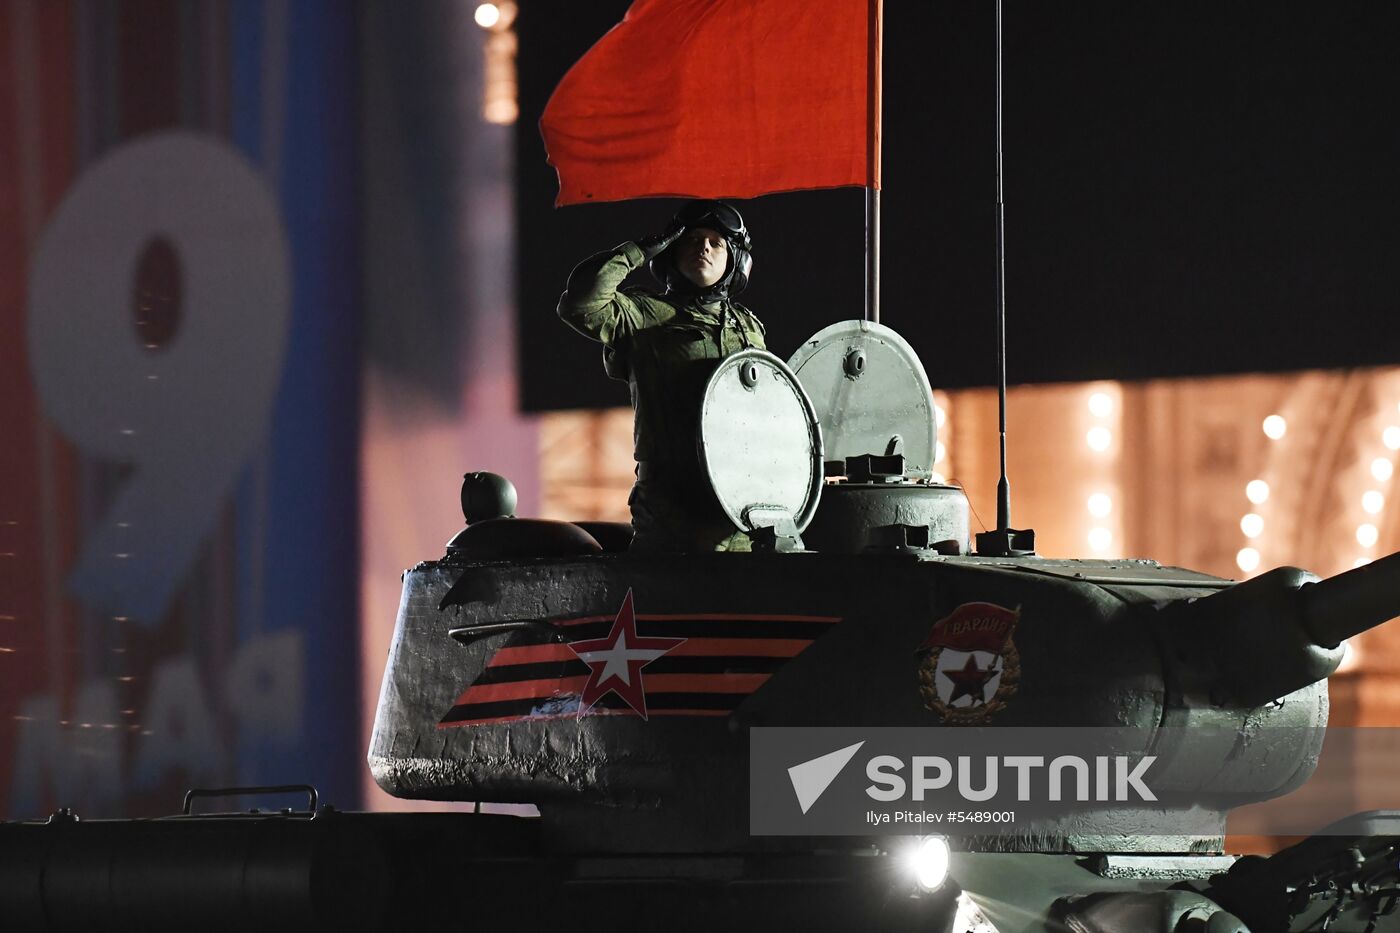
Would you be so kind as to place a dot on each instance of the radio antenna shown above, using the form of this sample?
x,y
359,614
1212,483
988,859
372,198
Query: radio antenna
x,y
1004,541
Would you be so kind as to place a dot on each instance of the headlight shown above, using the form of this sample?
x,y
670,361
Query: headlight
x,y
928,860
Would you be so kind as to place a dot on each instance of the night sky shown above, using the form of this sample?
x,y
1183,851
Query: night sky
x,y
1191,188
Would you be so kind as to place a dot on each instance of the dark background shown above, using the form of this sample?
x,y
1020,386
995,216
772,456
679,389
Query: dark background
x,y
1191,189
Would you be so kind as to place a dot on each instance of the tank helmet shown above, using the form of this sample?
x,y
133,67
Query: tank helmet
x,y
723,219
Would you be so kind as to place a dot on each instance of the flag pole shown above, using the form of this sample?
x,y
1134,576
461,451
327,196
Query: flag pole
x,y
872,190
872,254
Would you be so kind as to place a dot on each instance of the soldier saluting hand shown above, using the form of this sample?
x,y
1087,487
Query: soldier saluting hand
x,y
666,346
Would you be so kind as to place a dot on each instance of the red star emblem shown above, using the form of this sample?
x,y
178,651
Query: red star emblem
x,y
615,661
971,681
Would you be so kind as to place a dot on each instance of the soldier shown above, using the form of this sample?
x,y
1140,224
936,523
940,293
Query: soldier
x,y
666,346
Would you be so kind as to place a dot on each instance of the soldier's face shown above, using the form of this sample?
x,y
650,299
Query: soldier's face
x,y
702,256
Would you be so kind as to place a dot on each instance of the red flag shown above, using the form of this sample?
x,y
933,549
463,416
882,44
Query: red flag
x,y
720,98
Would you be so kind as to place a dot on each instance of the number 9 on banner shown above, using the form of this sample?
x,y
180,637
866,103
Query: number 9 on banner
x,y
158,315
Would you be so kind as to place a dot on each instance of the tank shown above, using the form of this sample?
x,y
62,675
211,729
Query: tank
x,y
629,698
543,663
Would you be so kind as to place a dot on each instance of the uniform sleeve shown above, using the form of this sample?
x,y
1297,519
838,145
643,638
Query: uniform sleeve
x,y
593,306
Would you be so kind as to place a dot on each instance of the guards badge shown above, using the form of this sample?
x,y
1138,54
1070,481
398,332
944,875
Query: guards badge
x,y
968,665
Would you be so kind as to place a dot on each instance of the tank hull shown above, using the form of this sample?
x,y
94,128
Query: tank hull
x,y
501,711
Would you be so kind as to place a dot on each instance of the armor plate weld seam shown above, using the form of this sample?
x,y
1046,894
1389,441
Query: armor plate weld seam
x,y
565,707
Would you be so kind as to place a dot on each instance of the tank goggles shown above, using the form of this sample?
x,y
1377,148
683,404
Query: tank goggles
x,y
715,215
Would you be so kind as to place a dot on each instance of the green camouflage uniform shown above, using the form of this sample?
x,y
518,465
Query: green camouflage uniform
x,y
666,346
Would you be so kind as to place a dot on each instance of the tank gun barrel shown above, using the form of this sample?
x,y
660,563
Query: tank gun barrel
x,y
1348,604
1278,632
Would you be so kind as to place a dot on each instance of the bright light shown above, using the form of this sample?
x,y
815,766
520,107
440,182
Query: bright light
x,y
488,15
1099,438
929,860
1100,405
1100,505
1367,534
1391,437
939,452
1257,491
1360,562
1252,525
1381,468
501,111
1247,559
938,478
970,918
1372,501
939,415
1100,539
1275,427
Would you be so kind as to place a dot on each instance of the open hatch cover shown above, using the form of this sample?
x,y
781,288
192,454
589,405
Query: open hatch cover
x,y
760,444
868,386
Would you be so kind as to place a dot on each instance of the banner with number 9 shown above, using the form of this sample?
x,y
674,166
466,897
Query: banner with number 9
x,y
186,412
